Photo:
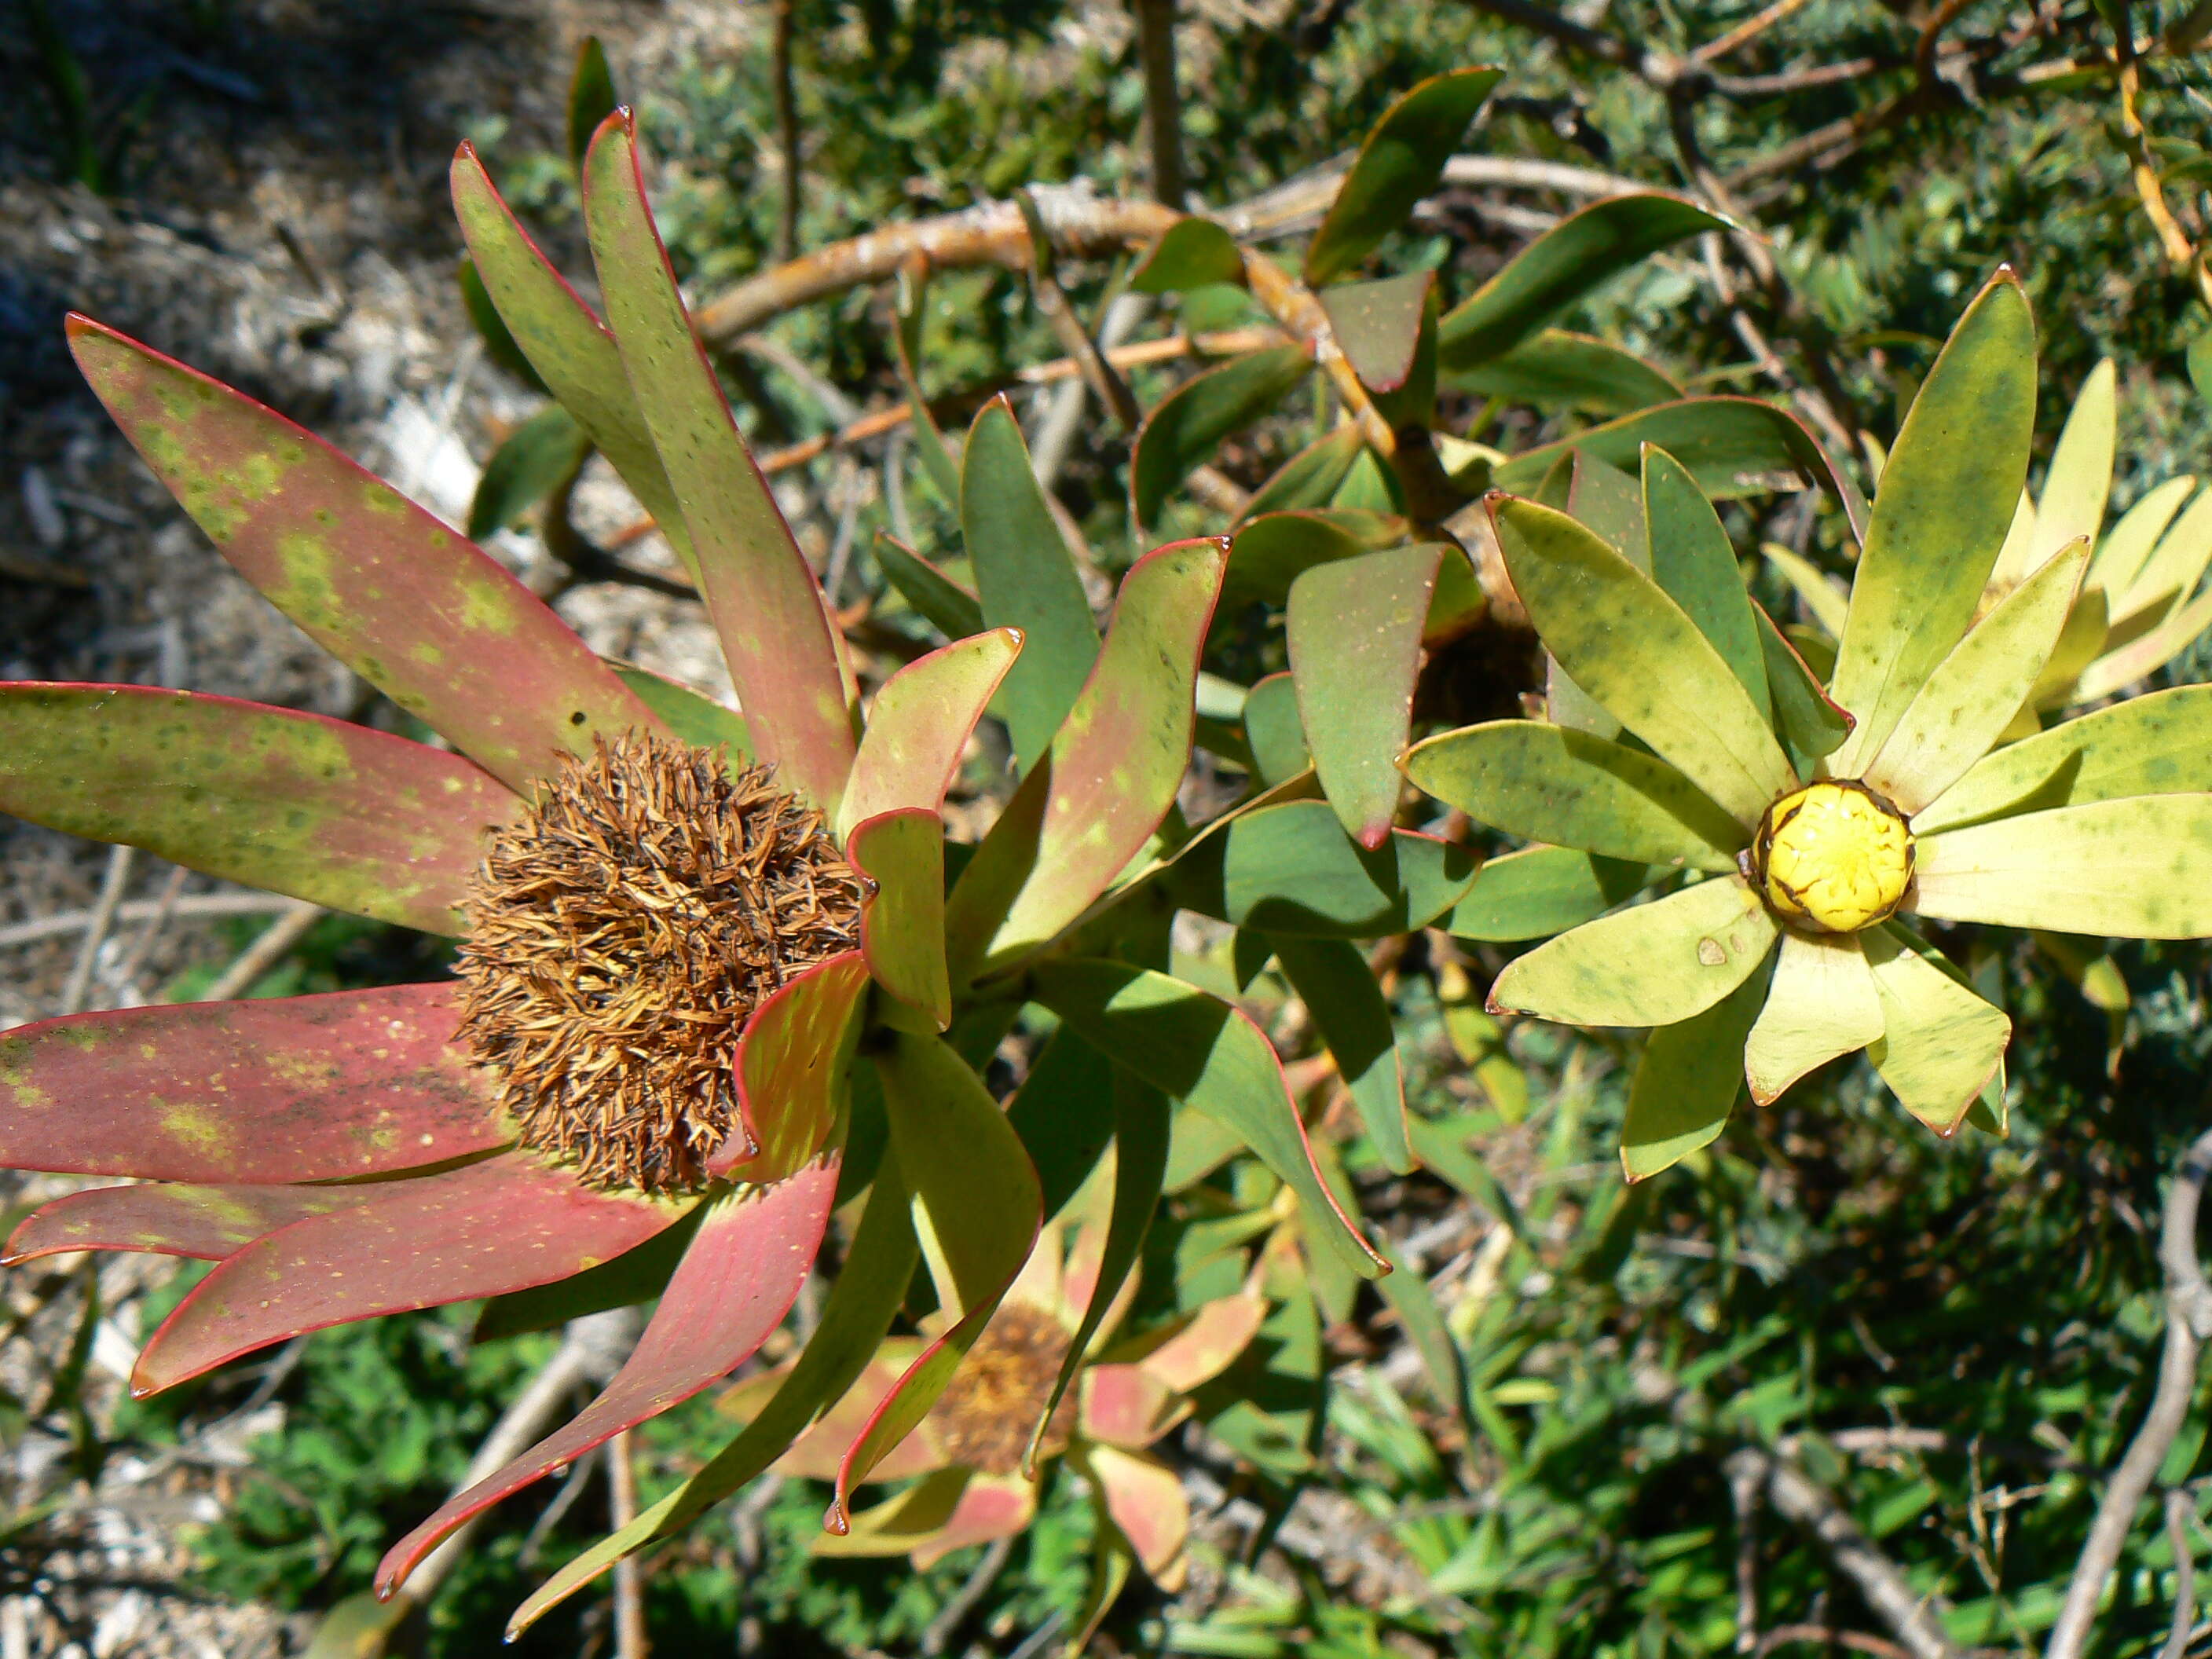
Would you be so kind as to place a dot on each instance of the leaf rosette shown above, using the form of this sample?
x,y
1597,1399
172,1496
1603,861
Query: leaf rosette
x,y
687,934
1807,830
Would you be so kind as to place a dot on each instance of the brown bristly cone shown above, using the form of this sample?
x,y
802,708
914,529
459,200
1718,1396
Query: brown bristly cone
x,y
984,1420
620,933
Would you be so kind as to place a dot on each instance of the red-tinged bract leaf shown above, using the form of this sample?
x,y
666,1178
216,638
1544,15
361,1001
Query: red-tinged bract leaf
x,y
1355,642
900,858
415,608
732,1288
791,1071
483,1229
766,605
169,1218
1211,1056
978,1207
862,1305
1110,775
319,1088
297,803
920,724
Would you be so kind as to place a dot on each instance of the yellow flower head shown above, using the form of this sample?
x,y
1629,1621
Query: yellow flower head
x,y
1833,856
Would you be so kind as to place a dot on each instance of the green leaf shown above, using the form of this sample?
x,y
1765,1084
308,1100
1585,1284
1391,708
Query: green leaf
x,y
1552,369
1941,1044
1400,162
1975,693
1547,783
1289,869
864,1298
491,328
2175,566
1688,1082
1633,649
1271,730
1540,891
1193,253
1945,504
1142,1119
1088,808
1354,631
1732,446
591,97
1187,425
899,856
1562,265
1821,1004
910,298
941,602
2135,868
568,350
762,596
2078,482
698,720
1378,326
2124,551
1410,1297
1694,564
1026,580
337,814
429,618
1651,964
1332,978
1271,552
977,1208
920,724
2159,744
536,458
1309,478
1210,1056
1808,724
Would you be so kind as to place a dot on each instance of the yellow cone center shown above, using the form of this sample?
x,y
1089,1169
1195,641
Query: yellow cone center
x,y
1833,857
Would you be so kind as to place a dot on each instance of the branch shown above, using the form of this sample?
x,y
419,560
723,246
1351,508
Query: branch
x,y
1910,1616
1155,50
2134,139
1079,222
2188,1323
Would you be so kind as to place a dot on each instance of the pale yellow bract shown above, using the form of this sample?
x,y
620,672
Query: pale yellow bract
x,y
1833,856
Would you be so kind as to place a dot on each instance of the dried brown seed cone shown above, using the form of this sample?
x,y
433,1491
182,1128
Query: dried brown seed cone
x,y
621,931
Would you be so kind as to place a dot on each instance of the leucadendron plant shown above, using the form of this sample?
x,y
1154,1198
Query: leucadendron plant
x,y
1809,832
695,945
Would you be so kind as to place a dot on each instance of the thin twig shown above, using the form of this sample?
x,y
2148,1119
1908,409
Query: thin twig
x,y
955,1613
278,940
1799,1500
2134,139
1156,48
111,885
786,132
2188,1323
1743,1496
1746,32
197,906
630,1642
2180,1510
1857,1640
164,907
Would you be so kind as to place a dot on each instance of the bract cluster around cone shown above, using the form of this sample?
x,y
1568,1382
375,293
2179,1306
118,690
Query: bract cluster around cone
x,y
2102,825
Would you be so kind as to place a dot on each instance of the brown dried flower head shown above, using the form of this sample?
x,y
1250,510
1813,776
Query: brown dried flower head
x,y
985,1417
621,931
